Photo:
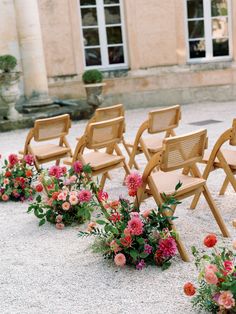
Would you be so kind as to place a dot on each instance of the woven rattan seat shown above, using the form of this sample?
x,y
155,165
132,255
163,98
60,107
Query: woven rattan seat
x,y
48,151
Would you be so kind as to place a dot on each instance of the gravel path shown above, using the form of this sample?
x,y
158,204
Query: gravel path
x,y
44,270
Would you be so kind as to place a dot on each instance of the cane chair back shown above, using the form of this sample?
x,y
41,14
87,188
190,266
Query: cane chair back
x,y
163,120
232,140
107,113
44,130
178,152
105,133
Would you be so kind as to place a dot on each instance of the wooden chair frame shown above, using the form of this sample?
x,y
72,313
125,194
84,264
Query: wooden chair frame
x,y
217,161
86,141
149,188
139,146
34,135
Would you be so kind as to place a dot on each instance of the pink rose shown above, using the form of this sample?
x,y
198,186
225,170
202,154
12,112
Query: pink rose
x,y
73,200
135,226
66,206
5,181
211,278
59,218
60,226
211,267
226,300
120,260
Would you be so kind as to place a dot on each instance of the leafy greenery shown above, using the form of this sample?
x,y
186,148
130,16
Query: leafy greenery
x,y
92,77
7,63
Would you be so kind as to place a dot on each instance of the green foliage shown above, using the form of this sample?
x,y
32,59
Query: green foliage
x,y
92,77
203,299
7,63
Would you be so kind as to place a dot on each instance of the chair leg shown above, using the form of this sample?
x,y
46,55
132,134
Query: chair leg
x,y
181,248
224,186
136,166
195,201
58,162
103,181
215,211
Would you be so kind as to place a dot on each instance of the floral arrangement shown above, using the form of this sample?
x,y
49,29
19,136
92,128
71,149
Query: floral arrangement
x,y
128,236
64,197
217,278
16,178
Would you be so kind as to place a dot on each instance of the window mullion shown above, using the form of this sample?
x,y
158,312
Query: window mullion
x,y
102,32
208,28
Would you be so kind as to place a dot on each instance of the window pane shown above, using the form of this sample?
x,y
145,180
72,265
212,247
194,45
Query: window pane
x,y
116,55
196,29
112,15
91,37
114,35
93,56
197,49
89,17
219,7
220,47
87,2
195,8
111,1
220,27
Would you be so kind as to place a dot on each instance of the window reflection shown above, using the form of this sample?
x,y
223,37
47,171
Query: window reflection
x,y
219,7
220,47
220,27
197,49
112,15
196,29
89,16
116,55
93,56
195,8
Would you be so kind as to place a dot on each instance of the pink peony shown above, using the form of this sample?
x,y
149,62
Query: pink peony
x,y
168,247
29,159
55,171
211,267
211,277
133,181
73,199
60,226
5,181
62,196
84,196
120,260
226,300
59,218
5,197
13,159
135,226
66,206
78,166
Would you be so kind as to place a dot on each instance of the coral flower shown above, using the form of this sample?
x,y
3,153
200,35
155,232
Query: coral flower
x,y
127,241
226,300
8,174
120,260
168,247
66,206
29,159
84,196
60,226
135,226
115,217
28,173
91,226
13,159
211,278
39,188
133,181
78,166
189,289
210,240
5,197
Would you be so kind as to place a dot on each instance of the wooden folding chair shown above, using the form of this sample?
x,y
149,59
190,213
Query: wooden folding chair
x,y
106,113
221,159
45,130
163,120
180,152
106,134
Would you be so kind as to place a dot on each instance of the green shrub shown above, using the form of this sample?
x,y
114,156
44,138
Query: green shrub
x,y
7,63
92,77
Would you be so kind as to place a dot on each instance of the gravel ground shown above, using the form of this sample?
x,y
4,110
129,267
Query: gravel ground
x,y
44,270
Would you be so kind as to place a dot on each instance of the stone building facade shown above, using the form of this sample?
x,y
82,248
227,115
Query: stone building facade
x,y
152,52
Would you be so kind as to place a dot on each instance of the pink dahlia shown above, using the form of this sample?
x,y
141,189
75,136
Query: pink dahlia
x,y
168,247
55,171
133,181
78,166
135,226
84,196
29,159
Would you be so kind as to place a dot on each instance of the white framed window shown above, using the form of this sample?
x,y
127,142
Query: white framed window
x,y
208,30
103,33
